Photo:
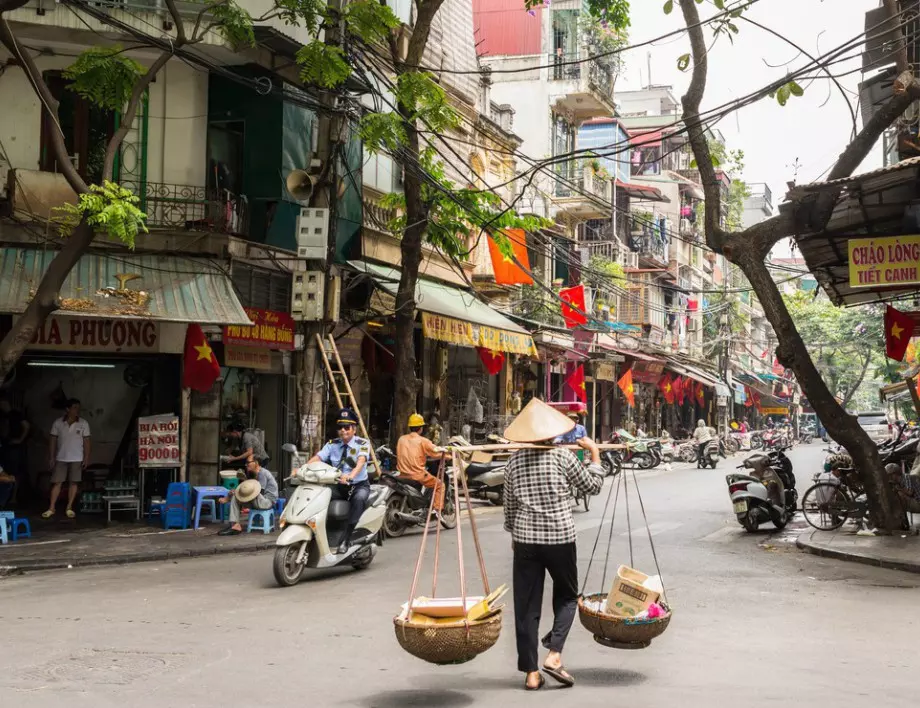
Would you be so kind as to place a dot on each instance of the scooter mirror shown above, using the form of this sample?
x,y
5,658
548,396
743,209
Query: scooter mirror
x,y
288,447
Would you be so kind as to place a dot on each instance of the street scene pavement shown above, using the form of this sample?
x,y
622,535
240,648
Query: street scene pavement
x,y
756,622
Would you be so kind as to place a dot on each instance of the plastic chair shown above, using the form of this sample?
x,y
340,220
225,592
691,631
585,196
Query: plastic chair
x,y
157,508
178,506
209,507
21,528
266,520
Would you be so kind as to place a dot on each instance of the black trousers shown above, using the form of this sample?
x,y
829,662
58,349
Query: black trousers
x,y
357,495
531,563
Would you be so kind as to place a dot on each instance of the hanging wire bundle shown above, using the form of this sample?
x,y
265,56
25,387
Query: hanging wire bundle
x,y
458,640
610,630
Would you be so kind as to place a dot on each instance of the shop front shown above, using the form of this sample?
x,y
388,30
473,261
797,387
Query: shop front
x,y
473,361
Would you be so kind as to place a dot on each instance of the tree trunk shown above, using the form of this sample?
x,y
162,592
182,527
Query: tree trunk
x,y
842,427
45,300
406,381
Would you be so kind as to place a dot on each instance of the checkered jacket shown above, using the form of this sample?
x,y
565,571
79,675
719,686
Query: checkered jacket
x,y
538,500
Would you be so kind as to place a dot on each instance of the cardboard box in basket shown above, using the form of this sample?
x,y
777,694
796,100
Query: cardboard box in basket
x,y
632,592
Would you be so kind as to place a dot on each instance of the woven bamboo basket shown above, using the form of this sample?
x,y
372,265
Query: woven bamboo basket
x,y
448,643
619,632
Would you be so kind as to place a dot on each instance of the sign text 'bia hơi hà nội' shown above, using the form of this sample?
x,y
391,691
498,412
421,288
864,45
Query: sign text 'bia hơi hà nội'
x,y
884,262
158,440
274,330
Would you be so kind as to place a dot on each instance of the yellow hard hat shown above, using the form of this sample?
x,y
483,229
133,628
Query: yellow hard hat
x,y
416,421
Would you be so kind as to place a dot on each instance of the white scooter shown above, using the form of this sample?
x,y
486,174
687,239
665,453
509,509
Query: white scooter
x,y
313,523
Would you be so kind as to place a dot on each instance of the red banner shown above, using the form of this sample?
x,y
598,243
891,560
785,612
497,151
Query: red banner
x,y
273,330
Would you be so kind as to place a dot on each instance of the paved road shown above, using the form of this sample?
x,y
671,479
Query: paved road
x,y
756,623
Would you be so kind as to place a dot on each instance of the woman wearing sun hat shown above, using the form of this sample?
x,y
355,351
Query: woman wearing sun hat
x,y
538,514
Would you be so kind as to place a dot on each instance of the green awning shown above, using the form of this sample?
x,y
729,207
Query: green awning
x,y
178,289
490,328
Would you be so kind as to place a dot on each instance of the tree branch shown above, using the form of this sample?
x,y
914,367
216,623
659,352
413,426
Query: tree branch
x,y
900,57
427,9
49,106
177,21
127,119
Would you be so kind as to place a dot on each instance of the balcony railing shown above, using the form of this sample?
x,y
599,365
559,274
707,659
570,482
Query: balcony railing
x,y
608,250
598,75
190,208
583,181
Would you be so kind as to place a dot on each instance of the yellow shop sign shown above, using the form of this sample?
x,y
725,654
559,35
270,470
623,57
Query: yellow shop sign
x,y
467,334
891,262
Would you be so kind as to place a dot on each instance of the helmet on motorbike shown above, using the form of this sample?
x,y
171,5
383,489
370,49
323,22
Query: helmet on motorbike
x,y
416,421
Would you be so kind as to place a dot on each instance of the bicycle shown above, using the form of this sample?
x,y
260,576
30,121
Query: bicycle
x,y
829,504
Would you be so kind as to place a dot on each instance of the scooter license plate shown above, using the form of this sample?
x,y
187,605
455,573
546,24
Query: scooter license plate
x,y
741,507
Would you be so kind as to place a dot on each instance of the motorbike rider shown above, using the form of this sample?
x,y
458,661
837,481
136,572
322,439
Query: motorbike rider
x,y
701,436
349,455
413,450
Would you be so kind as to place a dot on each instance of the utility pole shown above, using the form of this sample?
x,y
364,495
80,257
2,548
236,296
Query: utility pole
x,y
311,379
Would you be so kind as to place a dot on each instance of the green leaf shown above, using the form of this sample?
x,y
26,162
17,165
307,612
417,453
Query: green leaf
x,y
669,7
370,20
719,4
693,164
782,94
104,76
382,132
110,207
795,89
322,64
235,22
683,62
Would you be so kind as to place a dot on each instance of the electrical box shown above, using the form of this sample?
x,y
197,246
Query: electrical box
x,y
307,296
312,233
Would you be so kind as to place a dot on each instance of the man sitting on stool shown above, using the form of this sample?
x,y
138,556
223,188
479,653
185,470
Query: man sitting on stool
x,y
349,455
258,491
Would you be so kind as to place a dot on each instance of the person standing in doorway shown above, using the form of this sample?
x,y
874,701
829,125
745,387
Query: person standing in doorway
x,y
14,429
538,514
70,450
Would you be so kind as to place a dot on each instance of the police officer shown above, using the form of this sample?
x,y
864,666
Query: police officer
x,y
349,454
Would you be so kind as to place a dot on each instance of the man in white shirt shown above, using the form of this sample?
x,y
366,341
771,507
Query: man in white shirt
x,y
70,447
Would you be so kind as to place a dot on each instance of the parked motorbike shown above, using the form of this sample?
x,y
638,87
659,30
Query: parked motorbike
x,y
409,501
485,476
768,493
313,523
637,451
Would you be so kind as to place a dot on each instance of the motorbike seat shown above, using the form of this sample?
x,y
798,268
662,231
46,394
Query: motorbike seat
x,y
376,491
475,468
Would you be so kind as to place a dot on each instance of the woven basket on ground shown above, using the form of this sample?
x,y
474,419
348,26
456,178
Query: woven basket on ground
x,y
448,643
619,632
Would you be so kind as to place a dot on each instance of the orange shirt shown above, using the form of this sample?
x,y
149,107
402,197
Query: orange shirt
x,y
412,452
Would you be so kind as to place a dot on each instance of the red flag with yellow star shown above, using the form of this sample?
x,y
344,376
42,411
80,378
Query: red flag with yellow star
x,y
679,390
666,386
626,386
577,382
899,328
200,369
700,395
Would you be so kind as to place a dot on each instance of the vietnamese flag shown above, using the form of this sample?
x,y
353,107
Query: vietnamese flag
x,y
756,398
575,296
666,386
688,388
679,390
700,395
200,368
749,397
626,386
899,328
577,382
493,361
506,270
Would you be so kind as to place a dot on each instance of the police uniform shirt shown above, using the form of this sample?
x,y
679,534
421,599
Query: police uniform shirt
x,y
334,451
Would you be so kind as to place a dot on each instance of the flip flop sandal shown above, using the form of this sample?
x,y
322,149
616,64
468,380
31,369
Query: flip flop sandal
x,y
537,687
560,675
47,514
70,514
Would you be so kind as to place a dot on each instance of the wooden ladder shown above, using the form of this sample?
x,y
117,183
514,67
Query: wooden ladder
x,y
344,398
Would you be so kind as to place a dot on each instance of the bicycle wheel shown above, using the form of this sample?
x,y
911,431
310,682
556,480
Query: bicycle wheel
x,y
826,506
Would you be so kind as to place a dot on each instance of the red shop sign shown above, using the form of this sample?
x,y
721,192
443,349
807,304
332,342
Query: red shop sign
x,y
647,371
274,330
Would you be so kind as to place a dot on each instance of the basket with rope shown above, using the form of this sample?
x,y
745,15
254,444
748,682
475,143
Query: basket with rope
x,y
613,630
445,642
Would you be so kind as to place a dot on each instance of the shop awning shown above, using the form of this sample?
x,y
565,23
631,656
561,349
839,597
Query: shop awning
x,y
108,284
642,191
455,316
699,375
604,343
639,138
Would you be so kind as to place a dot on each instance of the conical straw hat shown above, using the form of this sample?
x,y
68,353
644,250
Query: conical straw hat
x,y
248,490
538,422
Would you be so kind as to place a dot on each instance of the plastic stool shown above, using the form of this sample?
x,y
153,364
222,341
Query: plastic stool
x,y
4,538
266,523
209,507
279,506
20,528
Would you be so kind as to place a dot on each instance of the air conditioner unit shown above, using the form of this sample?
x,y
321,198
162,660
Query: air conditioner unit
x,y
630,259
312,229
307,294
686,227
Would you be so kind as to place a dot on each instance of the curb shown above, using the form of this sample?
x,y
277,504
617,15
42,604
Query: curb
x,y
805,543
124,559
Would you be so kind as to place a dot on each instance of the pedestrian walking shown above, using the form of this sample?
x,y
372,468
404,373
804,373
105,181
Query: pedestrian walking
x,y
538,514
